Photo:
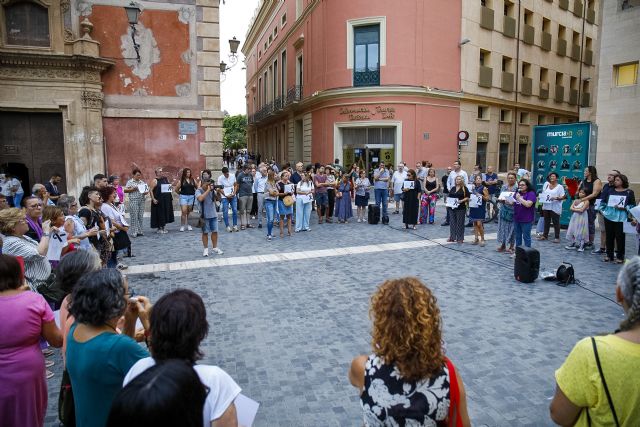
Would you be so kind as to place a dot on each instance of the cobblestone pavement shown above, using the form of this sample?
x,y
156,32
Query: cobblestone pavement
x,y
286,331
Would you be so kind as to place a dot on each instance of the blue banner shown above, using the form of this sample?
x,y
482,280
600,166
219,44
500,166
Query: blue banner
x,y
563,149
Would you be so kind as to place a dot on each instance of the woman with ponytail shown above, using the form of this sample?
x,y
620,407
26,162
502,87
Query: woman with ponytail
x,y
598,382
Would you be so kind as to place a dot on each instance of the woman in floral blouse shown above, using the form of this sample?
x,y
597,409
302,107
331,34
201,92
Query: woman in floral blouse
x,y
408,380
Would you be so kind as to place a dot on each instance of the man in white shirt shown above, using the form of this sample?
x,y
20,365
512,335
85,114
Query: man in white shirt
x,y
398,178
228,195
258,186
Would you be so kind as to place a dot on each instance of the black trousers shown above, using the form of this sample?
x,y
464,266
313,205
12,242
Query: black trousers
x,y
332,201
550,216
615,234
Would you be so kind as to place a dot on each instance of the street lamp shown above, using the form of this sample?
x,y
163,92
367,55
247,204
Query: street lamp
x,y
232,57
133,13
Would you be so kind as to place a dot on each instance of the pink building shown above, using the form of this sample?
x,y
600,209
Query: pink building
x,y
356,80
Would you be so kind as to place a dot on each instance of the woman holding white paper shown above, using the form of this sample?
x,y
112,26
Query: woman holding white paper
x,y
457,201
304,191
161,202
477,211
614,207
552,196
505,217
137,190
411,190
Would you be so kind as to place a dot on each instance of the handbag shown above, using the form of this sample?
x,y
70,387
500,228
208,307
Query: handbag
x,y
288,201
66,408
50,289
454,418
121,241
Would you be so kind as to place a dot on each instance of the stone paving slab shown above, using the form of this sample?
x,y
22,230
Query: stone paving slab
x,y
286,331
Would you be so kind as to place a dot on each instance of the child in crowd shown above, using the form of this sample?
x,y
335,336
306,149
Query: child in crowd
x,y
578,231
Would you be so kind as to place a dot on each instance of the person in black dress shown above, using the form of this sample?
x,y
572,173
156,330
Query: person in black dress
x,y
411,200
161,202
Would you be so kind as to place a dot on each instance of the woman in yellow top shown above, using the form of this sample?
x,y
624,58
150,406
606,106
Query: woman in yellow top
x,y
580,393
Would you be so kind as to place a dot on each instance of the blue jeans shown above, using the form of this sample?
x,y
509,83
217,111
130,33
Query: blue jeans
x,y
303,213
270,207
234,210
522,230
382,196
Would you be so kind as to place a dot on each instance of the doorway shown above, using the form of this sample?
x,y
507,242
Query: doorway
x,y
368,146
32,147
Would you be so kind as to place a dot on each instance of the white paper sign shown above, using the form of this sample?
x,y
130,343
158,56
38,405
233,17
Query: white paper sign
x,y
409,185
246,409
546,197
451,202
288,188
227,191
617,201
475,201
306,198
628,228
597,203
57,242
165,188
143,188
635,212
506,196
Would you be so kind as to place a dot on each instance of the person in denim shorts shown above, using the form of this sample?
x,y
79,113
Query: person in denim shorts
x,y
206,197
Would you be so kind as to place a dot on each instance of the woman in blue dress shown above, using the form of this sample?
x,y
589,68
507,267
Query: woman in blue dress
x,y
477,214
343,209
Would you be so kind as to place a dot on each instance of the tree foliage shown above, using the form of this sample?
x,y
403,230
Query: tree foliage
x,y
234,132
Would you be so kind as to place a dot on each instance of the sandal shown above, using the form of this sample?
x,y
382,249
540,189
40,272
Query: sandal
x,y
242,227
619,261
541,238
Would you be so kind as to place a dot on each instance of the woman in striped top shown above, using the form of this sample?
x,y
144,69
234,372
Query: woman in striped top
x,y
14,226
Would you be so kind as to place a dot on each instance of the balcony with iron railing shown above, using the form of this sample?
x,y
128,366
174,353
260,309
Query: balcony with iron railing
x,y
280,104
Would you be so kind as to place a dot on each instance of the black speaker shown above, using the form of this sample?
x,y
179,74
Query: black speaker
x,y
527,264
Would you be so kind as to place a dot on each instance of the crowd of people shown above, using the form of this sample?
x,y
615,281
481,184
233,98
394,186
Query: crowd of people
x,y
65,253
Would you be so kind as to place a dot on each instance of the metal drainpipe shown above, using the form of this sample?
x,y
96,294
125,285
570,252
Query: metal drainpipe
x,y
582,37
517,79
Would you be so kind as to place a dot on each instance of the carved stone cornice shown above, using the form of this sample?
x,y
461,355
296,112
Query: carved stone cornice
x,y
56,61
92,99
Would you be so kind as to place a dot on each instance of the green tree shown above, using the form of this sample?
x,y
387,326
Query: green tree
x,y
235,131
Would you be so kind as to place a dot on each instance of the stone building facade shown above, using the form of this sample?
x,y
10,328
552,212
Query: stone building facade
x,y
75,98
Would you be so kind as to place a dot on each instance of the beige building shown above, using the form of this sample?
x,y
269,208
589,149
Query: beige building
x,y
84,90
617,108
524,63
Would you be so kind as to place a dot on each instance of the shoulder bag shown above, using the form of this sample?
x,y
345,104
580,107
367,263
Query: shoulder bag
x,y
604,384
454,418
66,408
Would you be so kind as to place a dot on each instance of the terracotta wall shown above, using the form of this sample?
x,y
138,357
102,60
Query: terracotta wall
x,y
149,143
165,39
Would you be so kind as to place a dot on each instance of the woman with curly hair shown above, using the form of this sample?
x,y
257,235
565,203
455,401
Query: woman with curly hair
x,y
408,379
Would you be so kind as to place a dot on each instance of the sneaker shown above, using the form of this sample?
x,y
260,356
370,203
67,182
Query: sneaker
x,y
269,237
189,228
571,246
444,224
581,248
182,228
229,229
235,228
205,252
588,245
358,220
259,225
598,251
217,251
122,266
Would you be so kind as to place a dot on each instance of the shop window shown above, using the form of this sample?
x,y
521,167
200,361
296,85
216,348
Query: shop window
x,y
503,157
366,70
27,24
625,74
